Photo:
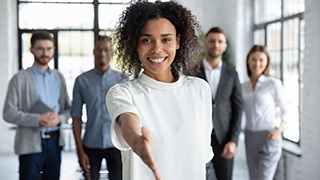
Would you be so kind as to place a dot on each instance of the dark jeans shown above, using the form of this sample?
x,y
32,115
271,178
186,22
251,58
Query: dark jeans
x,y
44,165
210,174
113,159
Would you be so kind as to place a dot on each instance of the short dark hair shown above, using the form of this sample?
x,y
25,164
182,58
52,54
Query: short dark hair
x,y
135,17
216,30
103,38
263,49
41,35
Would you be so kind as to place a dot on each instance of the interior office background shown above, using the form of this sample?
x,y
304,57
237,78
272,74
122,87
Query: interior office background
x,y
244,23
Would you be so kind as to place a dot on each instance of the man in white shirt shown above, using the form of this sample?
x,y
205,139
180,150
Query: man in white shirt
x,y
226,103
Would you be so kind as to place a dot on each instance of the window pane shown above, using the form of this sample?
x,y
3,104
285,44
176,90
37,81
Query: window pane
x,y
291,76
259,37
115,1
124,1
52,16
107,32
275,68
73,1
274,36
109,15
27,56
266,10
75,54
293,7
75,43
274,48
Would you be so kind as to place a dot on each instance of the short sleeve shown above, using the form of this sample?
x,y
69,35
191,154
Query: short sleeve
x,y
119,100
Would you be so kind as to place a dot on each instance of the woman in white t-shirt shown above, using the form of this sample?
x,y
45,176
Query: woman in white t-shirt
x,y
161,120
262,95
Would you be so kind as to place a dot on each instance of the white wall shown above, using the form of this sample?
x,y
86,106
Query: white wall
x,y
235,17
9,65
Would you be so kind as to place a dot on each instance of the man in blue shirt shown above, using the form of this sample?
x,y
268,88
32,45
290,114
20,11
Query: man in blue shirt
x,y
90,88
37,102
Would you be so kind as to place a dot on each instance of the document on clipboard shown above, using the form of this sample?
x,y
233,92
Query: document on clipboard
x,y
39,108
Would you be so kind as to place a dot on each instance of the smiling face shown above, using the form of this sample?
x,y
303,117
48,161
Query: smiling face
x,y
257,63
102,54
157,46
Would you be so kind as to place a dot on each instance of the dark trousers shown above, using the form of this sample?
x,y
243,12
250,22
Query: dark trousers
x,y
113,159
222,166
44,165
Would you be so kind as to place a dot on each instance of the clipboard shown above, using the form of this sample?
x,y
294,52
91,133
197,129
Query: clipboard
x,y
39,108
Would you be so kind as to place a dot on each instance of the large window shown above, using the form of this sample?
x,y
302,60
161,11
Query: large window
x,y
75,24
279,25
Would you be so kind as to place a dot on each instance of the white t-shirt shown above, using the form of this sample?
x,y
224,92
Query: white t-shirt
x,y
178,116
260,103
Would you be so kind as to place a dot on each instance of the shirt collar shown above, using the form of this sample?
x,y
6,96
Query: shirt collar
x,y
35,69
98,72
262,78
207,66
145,79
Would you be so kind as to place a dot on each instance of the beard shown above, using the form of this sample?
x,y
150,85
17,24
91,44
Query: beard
x,y
42,60
213,55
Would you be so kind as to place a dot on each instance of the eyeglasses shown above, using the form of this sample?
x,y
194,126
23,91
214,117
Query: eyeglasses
x,y
42,49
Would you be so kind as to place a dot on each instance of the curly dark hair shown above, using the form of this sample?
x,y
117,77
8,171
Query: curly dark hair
x,y
135,17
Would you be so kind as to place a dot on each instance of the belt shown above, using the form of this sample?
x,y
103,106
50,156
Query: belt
x,y
48,134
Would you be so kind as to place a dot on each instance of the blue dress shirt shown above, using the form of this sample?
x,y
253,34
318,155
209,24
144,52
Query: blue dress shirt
x,y
90,88
48,90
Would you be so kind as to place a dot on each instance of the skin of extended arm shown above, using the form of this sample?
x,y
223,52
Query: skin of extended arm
x,y
129,124
139,139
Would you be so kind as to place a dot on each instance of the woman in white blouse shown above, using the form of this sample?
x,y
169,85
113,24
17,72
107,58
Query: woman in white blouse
x,y
262,95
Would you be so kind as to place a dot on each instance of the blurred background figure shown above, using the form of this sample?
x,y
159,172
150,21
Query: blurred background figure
x,y
226,103
262,95
38,104
90,88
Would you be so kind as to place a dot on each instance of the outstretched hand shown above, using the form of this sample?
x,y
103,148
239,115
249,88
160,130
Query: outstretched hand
x,y
142,147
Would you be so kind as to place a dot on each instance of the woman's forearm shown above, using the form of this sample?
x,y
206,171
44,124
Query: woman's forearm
x,y
129,124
